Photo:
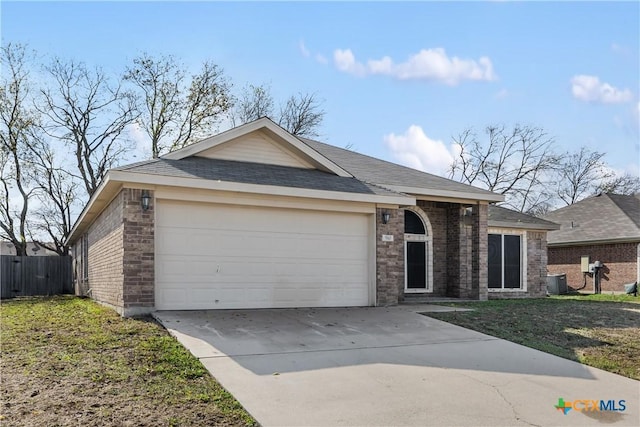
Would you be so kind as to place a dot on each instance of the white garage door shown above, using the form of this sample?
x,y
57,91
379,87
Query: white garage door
x,y
219,256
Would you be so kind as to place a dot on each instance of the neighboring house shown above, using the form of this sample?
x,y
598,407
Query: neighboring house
x,y
33,249
255,217
604,228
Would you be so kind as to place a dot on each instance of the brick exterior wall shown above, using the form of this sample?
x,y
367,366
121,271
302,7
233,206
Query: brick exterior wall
x,y
537,263
139,254
120,256
477,289
536,269
106,254
620,264
437,214
390,258
459,251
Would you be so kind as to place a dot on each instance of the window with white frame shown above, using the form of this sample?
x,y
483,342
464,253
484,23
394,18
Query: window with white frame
x,y
505,261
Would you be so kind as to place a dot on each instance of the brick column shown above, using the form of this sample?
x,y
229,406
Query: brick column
x,y
139,253
390,258
536,263
479,256
455,250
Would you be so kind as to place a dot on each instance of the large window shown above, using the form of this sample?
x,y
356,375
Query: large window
x,y
505,261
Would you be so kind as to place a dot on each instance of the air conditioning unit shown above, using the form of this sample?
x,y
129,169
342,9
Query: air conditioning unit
x,y
557,284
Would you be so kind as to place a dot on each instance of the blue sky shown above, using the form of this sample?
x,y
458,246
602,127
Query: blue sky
x,y
398,80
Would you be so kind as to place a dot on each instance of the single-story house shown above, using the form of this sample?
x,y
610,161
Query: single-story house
x,y
603,228
255,217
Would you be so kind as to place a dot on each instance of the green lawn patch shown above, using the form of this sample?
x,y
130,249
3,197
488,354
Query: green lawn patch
x,y
70,361
602,331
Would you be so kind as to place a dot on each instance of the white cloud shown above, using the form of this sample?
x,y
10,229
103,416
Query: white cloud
x,y
345,61
307,53
428,64
416,150
303,49
321,59
591,89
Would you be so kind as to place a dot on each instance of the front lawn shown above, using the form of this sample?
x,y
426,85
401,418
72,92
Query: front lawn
x,y
598,330
70,361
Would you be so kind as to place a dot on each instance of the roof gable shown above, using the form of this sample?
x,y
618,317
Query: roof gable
x,y
257,147
278,146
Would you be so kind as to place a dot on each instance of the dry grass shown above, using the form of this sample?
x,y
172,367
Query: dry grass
x,y
69,361
602,331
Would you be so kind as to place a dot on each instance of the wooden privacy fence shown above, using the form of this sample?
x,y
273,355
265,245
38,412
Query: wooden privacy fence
x,y
35,275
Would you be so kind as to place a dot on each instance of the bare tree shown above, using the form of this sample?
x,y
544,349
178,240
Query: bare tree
x,y
620,184
57,196
579,175
516,162
301,115
177,111
88,113
253,103
17,125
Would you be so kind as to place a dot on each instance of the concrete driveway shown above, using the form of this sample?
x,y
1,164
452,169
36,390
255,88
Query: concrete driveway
x,y
390,366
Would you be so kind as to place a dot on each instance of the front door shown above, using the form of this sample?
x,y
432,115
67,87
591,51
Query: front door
x,y
416,252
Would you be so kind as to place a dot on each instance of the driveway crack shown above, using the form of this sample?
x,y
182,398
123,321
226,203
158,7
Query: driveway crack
x,y
496,388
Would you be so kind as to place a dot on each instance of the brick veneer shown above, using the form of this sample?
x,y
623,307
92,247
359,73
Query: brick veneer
x,y
437,214
459,252
121,256
139,254
537,263
106,255
390,258
477,289
620,264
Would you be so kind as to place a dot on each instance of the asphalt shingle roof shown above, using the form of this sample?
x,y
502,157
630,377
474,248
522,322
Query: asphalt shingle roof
x,y
254,173
371,175
499,216
606,217
370,169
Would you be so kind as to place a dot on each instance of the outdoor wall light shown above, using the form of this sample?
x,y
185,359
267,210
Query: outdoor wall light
x,y
467,216
385,217
145,200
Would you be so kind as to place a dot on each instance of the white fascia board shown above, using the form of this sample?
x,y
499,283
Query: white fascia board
x,y
264,123
148,179
472,197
